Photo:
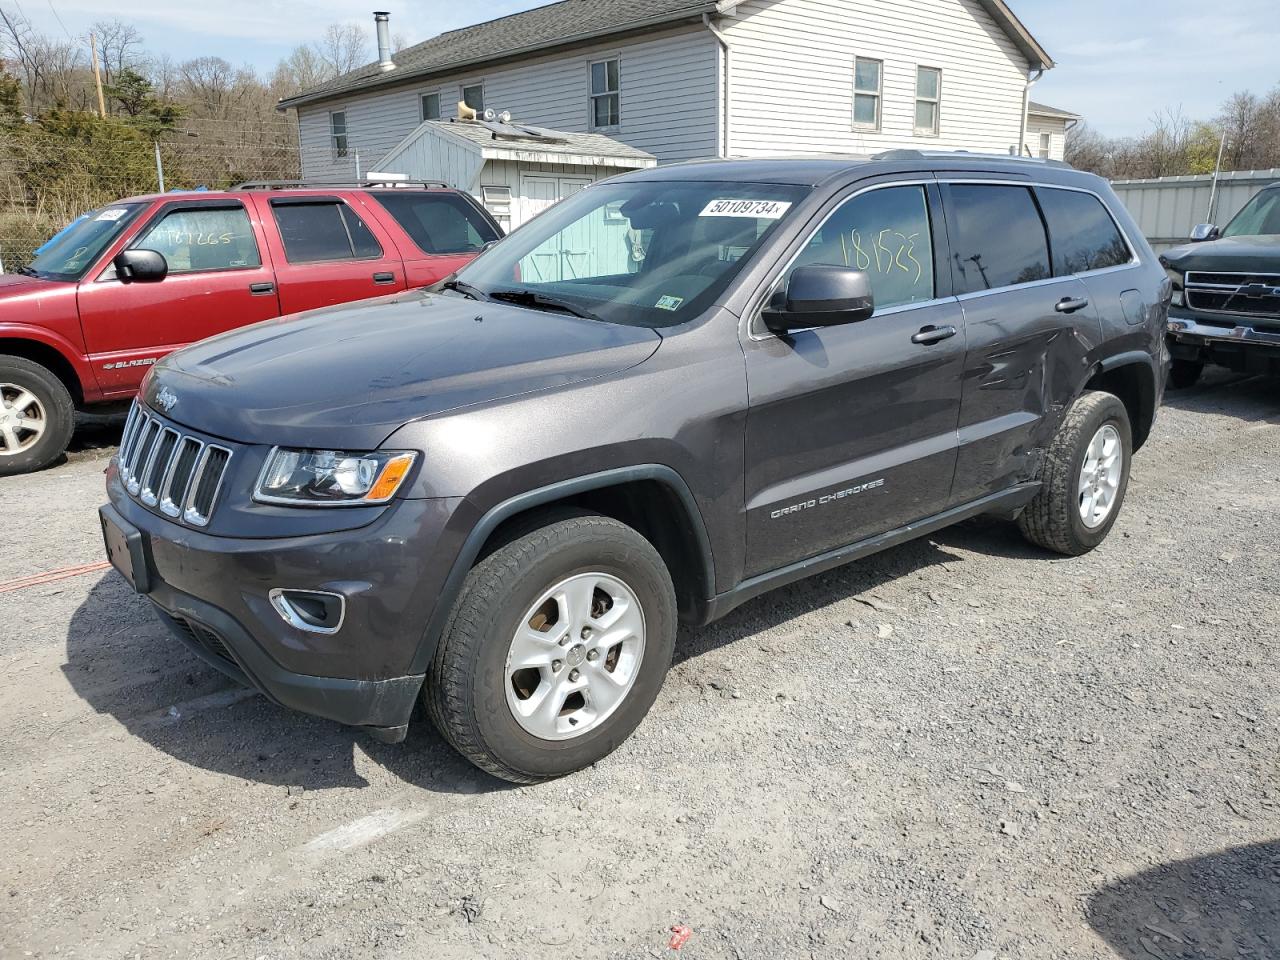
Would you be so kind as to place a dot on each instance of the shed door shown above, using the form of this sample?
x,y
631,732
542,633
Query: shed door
x,y
537,193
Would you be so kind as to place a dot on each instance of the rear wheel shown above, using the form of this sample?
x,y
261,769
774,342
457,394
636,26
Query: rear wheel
x,y
1086,474
36,416
557,647
1185,373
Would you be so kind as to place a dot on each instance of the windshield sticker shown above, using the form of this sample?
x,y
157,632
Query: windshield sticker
x,y
669,303
115,213
760,209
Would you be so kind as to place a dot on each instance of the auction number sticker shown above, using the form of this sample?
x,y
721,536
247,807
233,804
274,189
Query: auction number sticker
x,y
113,214
760,209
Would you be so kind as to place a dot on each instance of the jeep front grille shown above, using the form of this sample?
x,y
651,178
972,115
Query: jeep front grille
x,y
164,468
1244,294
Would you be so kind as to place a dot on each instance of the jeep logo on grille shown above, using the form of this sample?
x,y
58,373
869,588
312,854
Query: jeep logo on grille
x,y
167,399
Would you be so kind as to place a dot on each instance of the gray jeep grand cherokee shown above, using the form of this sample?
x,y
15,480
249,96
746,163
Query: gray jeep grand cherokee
x,y
666,395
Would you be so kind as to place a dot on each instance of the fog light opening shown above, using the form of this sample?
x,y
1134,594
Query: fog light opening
x,y
313,611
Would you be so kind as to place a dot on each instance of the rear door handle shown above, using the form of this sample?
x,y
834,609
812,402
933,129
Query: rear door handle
x,y
384,278
932,334
262,289
1071,304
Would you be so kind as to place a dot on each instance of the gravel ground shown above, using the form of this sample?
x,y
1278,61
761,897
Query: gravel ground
x,y
962,748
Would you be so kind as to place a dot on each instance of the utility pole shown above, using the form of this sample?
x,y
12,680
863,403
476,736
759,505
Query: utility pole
x,y
97,76
1217,171
159,165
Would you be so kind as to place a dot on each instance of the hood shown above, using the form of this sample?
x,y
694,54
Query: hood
x,y
347,377
1230,254
12,284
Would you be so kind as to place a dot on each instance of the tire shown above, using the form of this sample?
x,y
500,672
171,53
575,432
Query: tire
x,y
21,451
1054,519
473,691
1184,374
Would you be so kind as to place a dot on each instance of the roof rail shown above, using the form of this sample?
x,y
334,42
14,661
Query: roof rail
x,y
907,154
350,184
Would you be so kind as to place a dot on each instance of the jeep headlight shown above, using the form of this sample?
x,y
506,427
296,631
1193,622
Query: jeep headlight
x,y
321,478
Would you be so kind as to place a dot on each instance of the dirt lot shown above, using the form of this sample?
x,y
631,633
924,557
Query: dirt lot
x,y
962,748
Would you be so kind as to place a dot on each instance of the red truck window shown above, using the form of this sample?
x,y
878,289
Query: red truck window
x,y
317,230
438,223
200,239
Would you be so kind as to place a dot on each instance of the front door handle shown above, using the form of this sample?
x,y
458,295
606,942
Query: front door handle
x,y
932,334
1071,304
262,289
384,278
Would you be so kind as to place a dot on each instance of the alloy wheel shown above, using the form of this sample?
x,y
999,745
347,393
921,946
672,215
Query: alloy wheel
x,y
22,419
575,656
1100,476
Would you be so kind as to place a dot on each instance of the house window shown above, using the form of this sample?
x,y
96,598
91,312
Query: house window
x,y
1046,141
430,106
473,97
928,100
867,78
606,100
497,200
338,132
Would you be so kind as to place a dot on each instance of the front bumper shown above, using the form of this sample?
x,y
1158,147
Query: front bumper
x,y
1240,343
214,594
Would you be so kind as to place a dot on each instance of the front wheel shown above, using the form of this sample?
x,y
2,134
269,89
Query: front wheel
x,y
556,649
1086,474
37,416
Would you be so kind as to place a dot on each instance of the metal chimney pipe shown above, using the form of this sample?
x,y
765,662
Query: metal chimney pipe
x,y
381,20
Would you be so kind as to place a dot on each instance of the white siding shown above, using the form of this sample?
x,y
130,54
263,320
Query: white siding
x,y
1057,130
669,102
792,75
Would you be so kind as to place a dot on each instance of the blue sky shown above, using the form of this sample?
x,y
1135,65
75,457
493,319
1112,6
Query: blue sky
x,y
1119,61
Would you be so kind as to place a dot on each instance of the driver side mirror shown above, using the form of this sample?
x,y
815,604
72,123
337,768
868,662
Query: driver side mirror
x,y
821,296
1204,231
141,266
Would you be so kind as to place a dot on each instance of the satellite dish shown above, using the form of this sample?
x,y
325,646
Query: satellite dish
x,y
490,116
505,116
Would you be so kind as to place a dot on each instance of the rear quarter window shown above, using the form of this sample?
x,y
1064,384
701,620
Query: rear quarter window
x,y
438,223
1081,232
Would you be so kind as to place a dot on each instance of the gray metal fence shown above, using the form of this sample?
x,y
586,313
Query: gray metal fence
x,y
1166,209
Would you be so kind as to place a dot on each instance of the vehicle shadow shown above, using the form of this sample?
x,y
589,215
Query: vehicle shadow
x,y
1243,396
95,431
1223,905
122,661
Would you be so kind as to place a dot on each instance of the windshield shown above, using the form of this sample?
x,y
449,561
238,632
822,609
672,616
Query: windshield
x,y
75,249
1260,217
641,253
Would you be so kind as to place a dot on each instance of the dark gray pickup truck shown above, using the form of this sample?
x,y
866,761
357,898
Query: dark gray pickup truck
x,y
668,394
1226,294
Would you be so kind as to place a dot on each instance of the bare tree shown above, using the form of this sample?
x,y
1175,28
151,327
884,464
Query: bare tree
x,y
119,47
343,47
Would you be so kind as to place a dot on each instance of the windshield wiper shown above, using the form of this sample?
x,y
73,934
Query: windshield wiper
x,y
27,272
466,289
531,298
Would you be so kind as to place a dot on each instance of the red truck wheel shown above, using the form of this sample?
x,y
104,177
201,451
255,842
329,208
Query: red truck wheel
x,y
36,416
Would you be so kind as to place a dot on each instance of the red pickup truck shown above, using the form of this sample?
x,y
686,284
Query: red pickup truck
x,y
135,280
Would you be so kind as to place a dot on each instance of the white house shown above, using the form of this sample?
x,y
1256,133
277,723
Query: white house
x,y
689,79
1047,129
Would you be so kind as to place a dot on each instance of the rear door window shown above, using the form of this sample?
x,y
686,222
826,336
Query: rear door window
x,y
884,233
438,223
1081,232
196,239
314,231
998,238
